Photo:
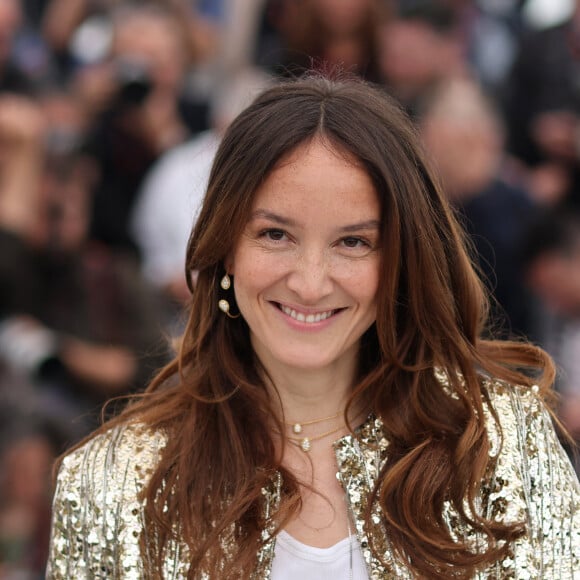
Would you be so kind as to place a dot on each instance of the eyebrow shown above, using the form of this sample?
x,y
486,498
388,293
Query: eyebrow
x,y
364,225
262,213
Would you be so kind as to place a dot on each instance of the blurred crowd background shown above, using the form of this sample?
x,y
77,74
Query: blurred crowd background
x,y
110,114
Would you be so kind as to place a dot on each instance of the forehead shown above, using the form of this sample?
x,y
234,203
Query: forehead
x,y
321,180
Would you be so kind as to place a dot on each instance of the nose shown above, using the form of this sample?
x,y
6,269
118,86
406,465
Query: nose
x,y
309,278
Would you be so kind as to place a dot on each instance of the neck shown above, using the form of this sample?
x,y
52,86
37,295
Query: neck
x,y
308,395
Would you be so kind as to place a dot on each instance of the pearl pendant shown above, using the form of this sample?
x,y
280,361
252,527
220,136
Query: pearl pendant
x,y
224,306
297,428
305,445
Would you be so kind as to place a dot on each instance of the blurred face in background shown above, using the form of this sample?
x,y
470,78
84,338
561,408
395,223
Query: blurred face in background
x,y
555,277
342,16
463,137
26,467
156,43
67,194
413,55
66,121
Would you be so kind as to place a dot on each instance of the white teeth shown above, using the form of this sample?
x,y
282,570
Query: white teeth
x,y
308,318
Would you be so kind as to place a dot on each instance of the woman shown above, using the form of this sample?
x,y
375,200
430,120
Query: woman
x,y
332,410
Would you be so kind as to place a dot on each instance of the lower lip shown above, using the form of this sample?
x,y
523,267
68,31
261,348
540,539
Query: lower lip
x,y
306,326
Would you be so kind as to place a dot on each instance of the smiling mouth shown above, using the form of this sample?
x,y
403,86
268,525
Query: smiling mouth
x,y
310,318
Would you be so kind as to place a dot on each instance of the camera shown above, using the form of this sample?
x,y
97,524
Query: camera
x,y
134,81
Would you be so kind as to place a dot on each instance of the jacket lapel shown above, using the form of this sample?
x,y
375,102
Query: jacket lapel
x,y
359,463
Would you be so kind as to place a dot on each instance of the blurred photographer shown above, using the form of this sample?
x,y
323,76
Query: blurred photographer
x,y
142,110
76,320
463,135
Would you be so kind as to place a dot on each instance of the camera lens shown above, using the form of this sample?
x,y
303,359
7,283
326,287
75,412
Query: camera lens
x,y
134,81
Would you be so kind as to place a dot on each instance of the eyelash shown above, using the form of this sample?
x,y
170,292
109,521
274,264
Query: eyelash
x,y
268,234
277,235
360,242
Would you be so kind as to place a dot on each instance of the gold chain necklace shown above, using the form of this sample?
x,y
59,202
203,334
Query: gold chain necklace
x,y
305,443
297,426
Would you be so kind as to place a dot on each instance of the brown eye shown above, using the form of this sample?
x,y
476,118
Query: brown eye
x,y
354,242
274,235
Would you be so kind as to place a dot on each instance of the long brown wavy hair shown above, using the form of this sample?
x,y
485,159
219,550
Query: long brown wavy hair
x,y
211,401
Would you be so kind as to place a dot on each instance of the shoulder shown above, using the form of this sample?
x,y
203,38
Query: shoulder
x,y
124,452
531,480
97,508
512,405
519,423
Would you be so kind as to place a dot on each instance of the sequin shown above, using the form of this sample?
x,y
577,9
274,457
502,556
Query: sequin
x,y
98,516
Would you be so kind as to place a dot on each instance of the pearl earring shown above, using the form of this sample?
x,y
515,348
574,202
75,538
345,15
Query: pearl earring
x,y
224,305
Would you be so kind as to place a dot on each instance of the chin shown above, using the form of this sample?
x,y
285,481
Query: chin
x,y
305,362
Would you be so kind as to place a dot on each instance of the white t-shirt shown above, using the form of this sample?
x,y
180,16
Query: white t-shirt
x,y
168,204
294,560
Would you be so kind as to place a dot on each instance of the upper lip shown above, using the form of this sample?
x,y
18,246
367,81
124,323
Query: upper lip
x,y
307,309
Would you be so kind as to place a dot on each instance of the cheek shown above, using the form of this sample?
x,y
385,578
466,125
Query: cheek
x,y
362,282
254,273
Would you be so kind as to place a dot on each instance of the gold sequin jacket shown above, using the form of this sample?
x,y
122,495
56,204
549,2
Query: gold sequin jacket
x,y
97,517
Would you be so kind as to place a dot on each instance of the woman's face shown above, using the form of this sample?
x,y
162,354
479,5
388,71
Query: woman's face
x,y
306,268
